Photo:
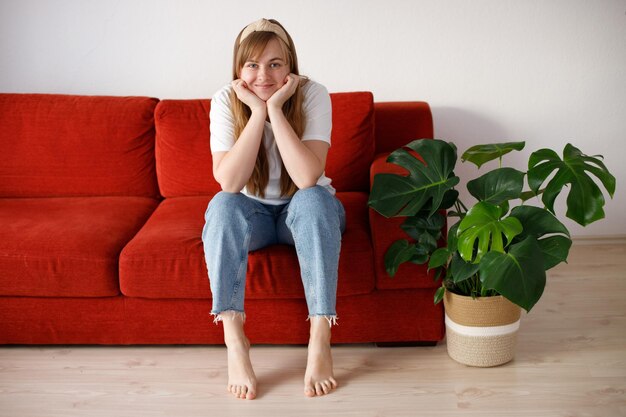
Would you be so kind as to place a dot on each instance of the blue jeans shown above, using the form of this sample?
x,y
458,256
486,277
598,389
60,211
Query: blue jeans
x,y
313,221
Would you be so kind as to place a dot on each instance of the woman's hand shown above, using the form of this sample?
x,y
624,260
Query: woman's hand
x,y
285,92
246,95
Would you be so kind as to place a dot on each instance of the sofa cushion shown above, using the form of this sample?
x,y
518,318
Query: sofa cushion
x,y
352,146
400,122
66,247
63,146
183,154
166,258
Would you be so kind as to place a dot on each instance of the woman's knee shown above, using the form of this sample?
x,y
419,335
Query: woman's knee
x,y
314,203
226,212
225,204
312,200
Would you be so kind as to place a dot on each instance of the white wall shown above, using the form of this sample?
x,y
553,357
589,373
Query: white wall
x,y
545,71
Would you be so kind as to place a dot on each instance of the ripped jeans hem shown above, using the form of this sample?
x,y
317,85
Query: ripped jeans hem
x,y
228,314
331,319
233,314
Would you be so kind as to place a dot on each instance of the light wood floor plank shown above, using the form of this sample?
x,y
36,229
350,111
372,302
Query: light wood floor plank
x,y
571,361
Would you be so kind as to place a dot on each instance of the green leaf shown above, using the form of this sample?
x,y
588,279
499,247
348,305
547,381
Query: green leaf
x,y
480,154
449,198
497,186
462,270
439,294
483,227
504,208
439,258
421,254
399,252
452,237
438,272
585,201
555,250
424,187
424,228
537,221
518,275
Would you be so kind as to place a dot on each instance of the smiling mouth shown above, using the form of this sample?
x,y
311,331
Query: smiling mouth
x,y
265,86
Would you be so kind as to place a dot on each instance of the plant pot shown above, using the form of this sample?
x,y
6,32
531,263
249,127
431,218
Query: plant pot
x,y
481,331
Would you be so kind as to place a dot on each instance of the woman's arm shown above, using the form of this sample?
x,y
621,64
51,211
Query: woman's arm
x,y
304,161
232,169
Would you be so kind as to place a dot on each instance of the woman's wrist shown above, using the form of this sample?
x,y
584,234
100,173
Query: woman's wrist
x,y
273,111
260,110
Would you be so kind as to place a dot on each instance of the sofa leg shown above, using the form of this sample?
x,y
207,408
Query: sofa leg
x,y
406,344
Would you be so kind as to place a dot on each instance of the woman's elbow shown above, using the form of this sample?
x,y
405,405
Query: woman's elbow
x,y
306,183
228,186
308,180
231,189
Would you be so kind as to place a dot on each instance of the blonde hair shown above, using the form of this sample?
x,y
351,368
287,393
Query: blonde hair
x,y
249,48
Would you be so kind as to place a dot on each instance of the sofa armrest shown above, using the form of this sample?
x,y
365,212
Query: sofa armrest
x,y
384,232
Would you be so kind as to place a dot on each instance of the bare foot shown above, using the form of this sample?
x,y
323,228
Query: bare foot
x,y
241,378
319,378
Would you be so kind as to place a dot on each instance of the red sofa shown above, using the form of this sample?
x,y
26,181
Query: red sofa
x,y
101,211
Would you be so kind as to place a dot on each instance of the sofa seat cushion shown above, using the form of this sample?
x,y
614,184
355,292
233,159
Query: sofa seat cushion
x,y
66,247
166,258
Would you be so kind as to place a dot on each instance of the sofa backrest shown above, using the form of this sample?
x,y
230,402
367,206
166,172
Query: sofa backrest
x,y
55,145
398,123
183,155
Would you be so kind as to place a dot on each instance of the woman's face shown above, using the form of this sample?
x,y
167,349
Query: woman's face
x,y
266,74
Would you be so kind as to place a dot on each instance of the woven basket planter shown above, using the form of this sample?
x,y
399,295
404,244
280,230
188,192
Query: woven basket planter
x,y
481,331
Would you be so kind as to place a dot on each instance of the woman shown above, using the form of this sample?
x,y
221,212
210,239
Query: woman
x,y
270,134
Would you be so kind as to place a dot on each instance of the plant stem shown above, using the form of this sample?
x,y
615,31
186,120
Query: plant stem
x,y
462,205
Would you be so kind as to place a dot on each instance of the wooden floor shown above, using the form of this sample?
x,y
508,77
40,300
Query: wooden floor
x,y
571,361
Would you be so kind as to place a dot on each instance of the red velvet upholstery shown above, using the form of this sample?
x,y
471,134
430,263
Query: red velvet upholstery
x,y
60,146
100,258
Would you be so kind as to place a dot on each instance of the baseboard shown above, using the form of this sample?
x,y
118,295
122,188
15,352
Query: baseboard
x,y
599,240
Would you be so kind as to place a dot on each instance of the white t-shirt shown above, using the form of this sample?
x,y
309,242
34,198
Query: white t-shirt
x,y
318,124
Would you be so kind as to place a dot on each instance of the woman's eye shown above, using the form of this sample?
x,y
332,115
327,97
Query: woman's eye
x,y
252,65
275,65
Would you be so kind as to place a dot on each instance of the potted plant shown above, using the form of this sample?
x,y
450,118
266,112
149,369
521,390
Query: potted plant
x,y
494,258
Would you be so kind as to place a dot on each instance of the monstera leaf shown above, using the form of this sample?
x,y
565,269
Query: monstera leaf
x,y
428,182
483,228
462,270
585,200
539,222
480,154
517,274
497,186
